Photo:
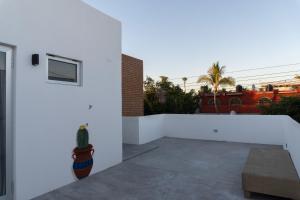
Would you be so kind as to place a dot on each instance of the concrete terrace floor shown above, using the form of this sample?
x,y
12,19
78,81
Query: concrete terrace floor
x,y
131,151
178,169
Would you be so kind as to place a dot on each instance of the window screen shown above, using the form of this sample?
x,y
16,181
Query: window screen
x,y
63,70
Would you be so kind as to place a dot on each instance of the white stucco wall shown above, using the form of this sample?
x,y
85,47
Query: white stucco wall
x,y
141,130
150,128
259,129
47,116
131,130
292,139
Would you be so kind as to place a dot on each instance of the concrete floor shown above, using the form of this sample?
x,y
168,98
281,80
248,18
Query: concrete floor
x,y
131,150
178,170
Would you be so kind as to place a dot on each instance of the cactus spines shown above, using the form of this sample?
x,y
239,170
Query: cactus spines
x,y
82,137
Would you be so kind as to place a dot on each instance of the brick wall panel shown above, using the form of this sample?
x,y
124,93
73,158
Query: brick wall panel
x,y
132,86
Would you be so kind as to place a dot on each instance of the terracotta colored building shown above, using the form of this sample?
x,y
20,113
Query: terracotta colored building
x,y
242,102
132,86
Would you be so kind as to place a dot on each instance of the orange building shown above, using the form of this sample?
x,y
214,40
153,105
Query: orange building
x,y
242,102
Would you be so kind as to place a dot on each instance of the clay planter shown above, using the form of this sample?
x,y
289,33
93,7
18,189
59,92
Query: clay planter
x,y
83,161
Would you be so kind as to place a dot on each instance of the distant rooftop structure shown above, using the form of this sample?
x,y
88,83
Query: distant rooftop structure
x,y
284,85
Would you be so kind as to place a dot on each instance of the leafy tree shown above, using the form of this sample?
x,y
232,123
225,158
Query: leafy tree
x,y
150,99
215,78
287,106
149,84
205,89
175,99
164,83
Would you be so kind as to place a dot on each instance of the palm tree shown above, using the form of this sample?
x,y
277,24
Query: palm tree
x,y
184,83
215,78
297,77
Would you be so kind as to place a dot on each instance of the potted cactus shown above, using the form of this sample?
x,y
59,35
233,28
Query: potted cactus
x,y
83,154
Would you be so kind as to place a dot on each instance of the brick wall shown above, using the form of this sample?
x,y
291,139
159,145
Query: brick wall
x,y
132,86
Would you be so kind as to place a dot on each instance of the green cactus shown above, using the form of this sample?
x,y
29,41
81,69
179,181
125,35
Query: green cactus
x,y
82,137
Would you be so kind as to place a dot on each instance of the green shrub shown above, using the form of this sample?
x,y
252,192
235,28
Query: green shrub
x,y
176,101
287,106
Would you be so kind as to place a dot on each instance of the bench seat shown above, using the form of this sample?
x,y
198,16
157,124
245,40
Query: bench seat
x,y
271,172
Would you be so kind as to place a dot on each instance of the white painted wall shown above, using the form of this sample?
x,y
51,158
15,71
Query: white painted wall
x,y
47,116
131,130
234,128
141,130
150,128
292,139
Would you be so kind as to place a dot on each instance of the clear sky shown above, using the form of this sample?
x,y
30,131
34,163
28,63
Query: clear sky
x,y
179,38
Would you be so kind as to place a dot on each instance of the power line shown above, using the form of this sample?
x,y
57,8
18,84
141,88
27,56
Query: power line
x,y
259,68
250,69
263,78
245,80
268,74
256,83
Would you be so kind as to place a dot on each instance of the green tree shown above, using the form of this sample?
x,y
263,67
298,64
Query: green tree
x,y
205,89
150,98
286,106
164,83
175,100
215,78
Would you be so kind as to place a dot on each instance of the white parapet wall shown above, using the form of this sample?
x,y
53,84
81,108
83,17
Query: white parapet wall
x,y
292,140
233,128
151,128
141,130
131,130
259,129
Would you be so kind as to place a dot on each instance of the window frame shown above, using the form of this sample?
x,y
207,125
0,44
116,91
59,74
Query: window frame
x,y
211,102
235,98
68,61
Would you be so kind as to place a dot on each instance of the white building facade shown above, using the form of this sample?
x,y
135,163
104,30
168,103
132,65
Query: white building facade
x,y
74,79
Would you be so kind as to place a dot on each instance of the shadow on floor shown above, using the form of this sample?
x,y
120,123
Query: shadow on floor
x,y
131,151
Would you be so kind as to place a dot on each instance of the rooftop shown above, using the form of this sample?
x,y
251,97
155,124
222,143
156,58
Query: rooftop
x,y
169,168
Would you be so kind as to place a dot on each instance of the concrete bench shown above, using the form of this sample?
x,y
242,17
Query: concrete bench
x,y
271,172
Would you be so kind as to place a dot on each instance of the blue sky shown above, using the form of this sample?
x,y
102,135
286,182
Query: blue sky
x,y
179,38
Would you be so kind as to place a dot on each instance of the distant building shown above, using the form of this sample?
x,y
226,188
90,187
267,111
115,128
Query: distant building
x,y
285,85
242,102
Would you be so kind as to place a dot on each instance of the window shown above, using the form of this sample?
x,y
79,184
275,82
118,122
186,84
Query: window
x,y
62,70
235,101
211,102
